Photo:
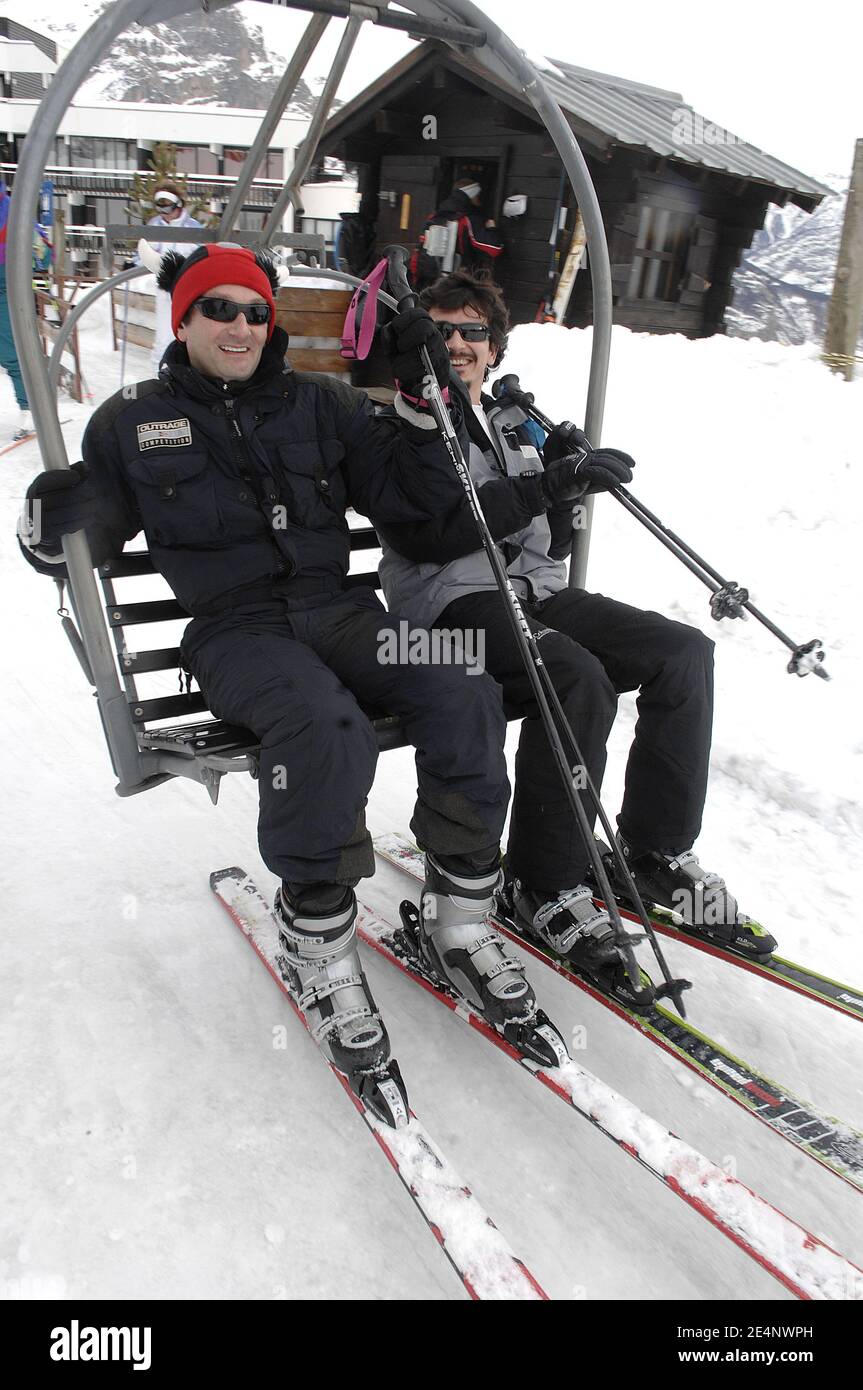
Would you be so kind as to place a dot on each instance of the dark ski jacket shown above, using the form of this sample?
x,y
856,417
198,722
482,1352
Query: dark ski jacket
x,y
426,565
477,246
241,489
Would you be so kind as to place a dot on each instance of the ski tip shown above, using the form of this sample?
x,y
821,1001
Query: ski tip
x,y
219,875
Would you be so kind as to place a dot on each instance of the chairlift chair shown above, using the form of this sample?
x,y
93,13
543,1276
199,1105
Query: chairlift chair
x,y
145,750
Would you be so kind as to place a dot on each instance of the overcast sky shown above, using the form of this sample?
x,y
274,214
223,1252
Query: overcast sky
x,y
783,77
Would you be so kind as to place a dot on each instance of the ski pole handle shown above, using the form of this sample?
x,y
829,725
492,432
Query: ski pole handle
x,y
397,284
510,386
397,277
730,600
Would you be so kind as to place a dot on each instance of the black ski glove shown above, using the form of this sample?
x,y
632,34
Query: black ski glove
x,y
567,479
402,338
565,439
59,502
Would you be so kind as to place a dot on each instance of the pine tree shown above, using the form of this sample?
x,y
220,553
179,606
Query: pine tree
x,y
163,165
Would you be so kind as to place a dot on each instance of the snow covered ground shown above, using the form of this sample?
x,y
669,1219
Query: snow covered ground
x,y
156,1140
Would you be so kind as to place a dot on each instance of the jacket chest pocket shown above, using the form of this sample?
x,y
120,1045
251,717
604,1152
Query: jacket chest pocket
x,y
177,498
520,458
311,484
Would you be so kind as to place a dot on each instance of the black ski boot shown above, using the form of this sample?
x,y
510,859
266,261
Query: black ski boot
x,y
455,942
678,883
582,934
321,965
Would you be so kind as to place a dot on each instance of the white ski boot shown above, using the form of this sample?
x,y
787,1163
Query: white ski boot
x,y
24,428
321,964
452,941
458,943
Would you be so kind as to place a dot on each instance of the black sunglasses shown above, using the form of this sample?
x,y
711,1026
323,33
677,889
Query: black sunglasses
x,y
470,332
225,311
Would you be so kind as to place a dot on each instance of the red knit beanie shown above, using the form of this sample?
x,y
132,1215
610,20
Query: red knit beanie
x,y
213,265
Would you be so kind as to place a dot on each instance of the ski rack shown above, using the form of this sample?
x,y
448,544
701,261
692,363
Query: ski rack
x,y
137,761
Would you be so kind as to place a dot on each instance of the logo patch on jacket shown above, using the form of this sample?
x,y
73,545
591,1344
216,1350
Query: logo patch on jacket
x,y
164,434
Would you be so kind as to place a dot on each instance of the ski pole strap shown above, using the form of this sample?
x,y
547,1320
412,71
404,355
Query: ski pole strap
x,y
421,402
357,342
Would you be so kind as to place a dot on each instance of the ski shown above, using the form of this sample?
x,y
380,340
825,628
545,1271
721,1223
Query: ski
x,y
807,1267
571,267
475,1248
825,1139
25,439
809,983
846,999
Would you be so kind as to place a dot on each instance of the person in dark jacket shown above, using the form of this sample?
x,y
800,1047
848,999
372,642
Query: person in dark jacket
x,y
594,647
239,471
456,237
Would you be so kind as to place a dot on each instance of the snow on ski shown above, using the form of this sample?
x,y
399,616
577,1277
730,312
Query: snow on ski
x,y
828,1141
474,1246
807,1267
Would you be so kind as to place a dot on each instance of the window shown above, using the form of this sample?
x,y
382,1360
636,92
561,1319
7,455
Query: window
x,y
92,152
271,166
196,159
661,252
325,227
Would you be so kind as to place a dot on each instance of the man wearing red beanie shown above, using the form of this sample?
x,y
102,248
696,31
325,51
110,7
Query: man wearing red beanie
x,y
239,470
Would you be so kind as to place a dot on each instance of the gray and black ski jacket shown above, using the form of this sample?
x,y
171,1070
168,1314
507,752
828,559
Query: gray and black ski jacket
x,y
428,565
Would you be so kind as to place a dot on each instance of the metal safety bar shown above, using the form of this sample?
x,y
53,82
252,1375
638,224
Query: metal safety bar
x,y
201,236
282,95
458,22
306,152
308,241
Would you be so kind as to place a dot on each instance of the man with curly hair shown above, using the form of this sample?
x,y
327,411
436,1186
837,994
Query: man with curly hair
x,y
593,647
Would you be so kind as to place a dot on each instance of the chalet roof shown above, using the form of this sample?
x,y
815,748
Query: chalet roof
x,y
654,119
607,111
13,31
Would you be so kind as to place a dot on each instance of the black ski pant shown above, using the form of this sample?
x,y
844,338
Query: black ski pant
x,y
595,648
295,679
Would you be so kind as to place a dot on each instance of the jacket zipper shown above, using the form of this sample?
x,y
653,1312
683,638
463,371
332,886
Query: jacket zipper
x,y
241,457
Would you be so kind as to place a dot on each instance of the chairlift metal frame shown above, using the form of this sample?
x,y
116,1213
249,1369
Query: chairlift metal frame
x,y
141,759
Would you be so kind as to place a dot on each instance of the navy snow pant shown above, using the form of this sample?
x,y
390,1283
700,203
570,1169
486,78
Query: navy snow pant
x,y
295,678
595,648
8,355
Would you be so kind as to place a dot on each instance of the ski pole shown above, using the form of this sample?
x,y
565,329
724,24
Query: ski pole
x,y
546,304
125,333
537,672
730,600
525,400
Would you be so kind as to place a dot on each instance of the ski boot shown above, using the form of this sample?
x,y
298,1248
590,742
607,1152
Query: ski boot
x,y
321,966
679,884
580,933
24,428
458,947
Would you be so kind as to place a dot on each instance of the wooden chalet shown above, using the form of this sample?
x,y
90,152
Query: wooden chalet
x,y
681,199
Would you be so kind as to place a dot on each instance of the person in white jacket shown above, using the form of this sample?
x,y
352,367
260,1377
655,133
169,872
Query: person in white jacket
x,y
171,212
